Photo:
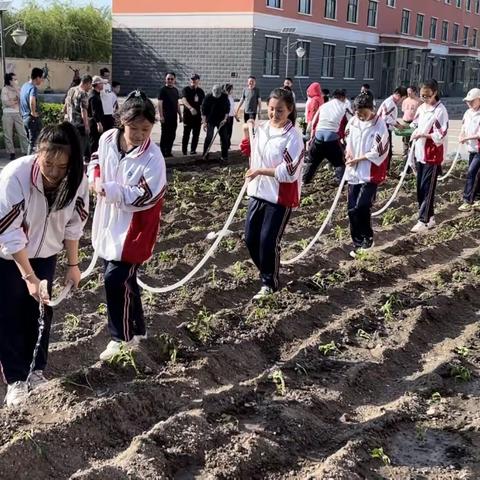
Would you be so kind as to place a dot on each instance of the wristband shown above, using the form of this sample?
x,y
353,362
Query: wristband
x,y
73,264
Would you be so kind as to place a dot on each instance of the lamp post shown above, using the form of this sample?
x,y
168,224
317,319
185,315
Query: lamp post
x,y
19,35
300,51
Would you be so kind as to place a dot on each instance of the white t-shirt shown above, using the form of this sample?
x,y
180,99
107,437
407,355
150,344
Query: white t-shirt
x,y
108,99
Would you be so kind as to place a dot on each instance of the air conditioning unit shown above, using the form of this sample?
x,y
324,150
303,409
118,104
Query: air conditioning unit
x,y
289,30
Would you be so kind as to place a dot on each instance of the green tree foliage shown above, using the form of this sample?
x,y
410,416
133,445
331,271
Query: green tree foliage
x,y
60,30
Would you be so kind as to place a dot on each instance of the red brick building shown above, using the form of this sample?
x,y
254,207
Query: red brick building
x,y
344,42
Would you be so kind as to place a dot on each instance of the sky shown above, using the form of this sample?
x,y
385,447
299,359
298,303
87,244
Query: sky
x,y
99,3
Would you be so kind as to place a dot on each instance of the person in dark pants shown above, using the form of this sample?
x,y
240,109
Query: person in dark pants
x,y
43,208
29,108
470,137
108,100
215,112
192,99
252,100
366,156
168,110
95,114
228,89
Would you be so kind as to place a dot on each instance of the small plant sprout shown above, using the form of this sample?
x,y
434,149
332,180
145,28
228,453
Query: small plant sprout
x,y
164,257
436,397
125,358
262,308
420,432
462,351
27,436
327,349
239,271
302,243
279,381
72,322
389,218
201,326
388,308
229,244
213,277
102,309
169,346
379,454
306,201
461,373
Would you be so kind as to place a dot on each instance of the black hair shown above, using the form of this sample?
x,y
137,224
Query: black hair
x,y
287,97
9,78
228,87
340,93
76,82
286,87
86,79
136,105
115,84
36,73
366,85
433,86
402,91
170,73
103,71
413,87
251,77
288,78
64,138
325,91
363,100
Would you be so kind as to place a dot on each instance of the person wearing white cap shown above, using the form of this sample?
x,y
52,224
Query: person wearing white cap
x,y
95,113
470,137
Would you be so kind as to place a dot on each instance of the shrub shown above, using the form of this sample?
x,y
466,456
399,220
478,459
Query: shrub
x,y
52,113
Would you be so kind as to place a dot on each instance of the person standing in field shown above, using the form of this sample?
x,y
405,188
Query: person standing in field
x,y
108,100
409,109
29,108
169,111
252,100
95,113
192,99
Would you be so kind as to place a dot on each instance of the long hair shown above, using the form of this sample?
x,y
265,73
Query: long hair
x,y
287,97
64,139
135,106
433,86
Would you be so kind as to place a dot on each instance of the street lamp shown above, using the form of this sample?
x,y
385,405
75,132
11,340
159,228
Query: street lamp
x,y
19,35
300,51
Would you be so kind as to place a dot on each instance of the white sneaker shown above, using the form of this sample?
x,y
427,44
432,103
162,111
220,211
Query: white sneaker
x,y
263,292
16,394
420,227
36,379
431,223
113,347
465,207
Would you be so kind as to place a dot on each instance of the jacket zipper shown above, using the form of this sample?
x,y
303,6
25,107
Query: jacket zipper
x,y
44,230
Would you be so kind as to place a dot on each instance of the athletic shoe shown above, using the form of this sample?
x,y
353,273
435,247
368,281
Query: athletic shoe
x,y
113,347
36,379
476,204
263,292
465,207
360,250
193,153
421,227
431,223
16,394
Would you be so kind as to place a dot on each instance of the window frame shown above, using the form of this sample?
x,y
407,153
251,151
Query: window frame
x,y
405,10
303,43
447,23
327,2
356,11
433,21
310,4
370,2
352,65
419,16
279,44
372,52
455,40
330,59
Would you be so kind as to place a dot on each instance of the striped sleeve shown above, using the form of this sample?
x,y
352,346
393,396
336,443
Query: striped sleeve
x,y
440,126
74,227
12,208
380,145
290,169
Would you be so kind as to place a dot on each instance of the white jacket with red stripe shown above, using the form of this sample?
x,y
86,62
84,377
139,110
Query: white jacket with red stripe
x,y
471,128
367,139
283,150
127,218
26,221
388,110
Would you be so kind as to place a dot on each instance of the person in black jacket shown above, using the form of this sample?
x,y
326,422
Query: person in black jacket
x,y
95,113
215,110
192,99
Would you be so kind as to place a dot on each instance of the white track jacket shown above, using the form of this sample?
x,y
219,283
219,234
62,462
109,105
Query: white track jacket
x,y
369,139
284,151
127,218
470,128
26,221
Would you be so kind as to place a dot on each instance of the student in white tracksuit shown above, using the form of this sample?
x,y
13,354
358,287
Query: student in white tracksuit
x,y
129,175
275,168
470,136
43,208
366,156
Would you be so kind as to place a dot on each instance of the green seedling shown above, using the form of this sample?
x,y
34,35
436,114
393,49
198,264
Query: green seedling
x,y
242,212
461,373
307,201
302,244
169,347
323,282
27,436
321,216
462,351
164,257
125,358
183,292
92,284
213,277
229,244
201,326
435,398
239,271
327,349
102,309
279,381
340,233
379,454
263,308
389,218
72,322
388,308
148,298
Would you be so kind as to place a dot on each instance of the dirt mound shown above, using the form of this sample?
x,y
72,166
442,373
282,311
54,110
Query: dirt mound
x,y
364,369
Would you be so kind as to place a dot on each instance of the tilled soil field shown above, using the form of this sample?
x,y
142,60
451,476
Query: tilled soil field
x,y
356,369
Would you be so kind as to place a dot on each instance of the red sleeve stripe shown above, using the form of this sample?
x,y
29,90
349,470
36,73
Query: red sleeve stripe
x,y
10,217
155,199
147,195
80,209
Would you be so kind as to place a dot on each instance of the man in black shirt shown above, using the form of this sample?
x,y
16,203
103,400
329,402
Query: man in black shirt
x,y
215,111
168,109
192,99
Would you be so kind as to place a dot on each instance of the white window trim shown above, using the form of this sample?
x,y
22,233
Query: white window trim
x,y
394,4
335,19
374,50
376,15
274,8
401,22
311,9
358,10
279,57
355,55
458,33
448,31
460,7
333,45
430,29
468,36
442,58
468,9
423,25
270,76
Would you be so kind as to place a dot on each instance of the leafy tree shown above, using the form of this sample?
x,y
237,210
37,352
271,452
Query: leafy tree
x,y
62,31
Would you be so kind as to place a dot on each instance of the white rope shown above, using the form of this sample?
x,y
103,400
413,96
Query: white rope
x,y
452,166
322,228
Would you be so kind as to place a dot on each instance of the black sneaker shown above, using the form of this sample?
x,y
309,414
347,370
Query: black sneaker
x,y
193,153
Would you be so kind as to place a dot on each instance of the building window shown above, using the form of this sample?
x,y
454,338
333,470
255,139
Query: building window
x,y
468,5
305,6
372,13
474,38
274,3
462,71
442,69
465,36
459,3
444,31
477,7
369,64
350,55
448,2
453,68
331,9
352,11
272,56
419,29
327,60
391,3
433,28
405,27
429,68
302,63
455,33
